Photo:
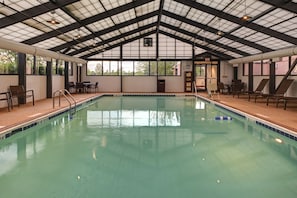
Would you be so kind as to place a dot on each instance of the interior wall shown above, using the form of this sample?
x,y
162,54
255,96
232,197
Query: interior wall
x,y
226,72
39,88
57,83
5,82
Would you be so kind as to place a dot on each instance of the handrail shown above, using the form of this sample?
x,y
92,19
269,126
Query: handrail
x,y
62,92
194,87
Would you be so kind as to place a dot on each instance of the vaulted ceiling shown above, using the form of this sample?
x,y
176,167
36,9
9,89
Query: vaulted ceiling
x,y
83,28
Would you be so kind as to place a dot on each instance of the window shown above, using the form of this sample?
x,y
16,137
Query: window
x,y
153,68
141,68
282,66
136,68
110,68
147,42
70,68
266,67
257,68
8,62
127,68
30,67
61,66
94,68
40,65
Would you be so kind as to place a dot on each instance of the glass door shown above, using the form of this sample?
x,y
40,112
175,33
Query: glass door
x,y
206,72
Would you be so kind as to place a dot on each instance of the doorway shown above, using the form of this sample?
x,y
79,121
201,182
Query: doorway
x,y
206,72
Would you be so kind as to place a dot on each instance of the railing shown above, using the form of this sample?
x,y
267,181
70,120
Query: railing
x,y
195,88
68,97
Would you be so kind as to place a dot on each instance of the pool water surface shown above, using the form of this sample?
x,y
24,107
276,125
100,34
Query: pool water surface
x,y
148,147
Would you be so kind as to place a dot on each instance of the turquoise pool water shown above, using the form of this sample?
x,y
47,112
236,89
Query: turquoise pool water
x,y
148,147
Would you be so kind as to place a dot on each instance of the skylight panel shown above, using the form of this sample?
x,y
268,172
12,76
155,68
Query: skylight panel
x,y
101,25
123,16
274,17
110,4
148,30
19,32
189,28
147,8
274,43
249,50
210,35
49,43
148,21
132,36
243,32
21,5
78,33
7,11
222,25
128,28
257,37
184,36
110,35
175,7
171,21
250,7
233,54
199,16
85,9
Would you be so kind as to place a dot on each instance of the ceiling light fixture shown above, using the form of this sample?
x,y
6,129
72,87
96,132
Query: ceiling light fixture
x,y
53,21
219,32
245,17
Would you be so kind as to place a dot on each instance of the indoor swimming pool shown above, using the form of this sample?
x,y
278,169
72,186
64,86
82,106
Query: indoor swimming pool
x,y
148,147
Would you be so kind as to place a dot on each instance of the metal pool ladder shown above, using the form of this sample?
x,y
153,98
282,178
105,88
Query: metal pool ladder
x,y
70,99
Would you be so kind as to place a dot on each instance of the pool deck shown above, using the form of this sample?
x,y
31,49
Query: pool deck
x,y
26,113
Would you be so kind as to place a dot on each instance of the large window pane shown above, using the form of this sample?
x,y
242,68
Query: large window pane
x,y
282,66
8,62
153,68
61,66
173,68
110,68
40,65
161,68
94,68
141,68
257,68
127,68
29,64
266,67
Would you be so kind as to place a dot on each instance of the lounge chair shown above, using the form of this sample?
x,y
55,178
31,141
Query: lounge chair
x,y
93,87
259,89
280,92
19,92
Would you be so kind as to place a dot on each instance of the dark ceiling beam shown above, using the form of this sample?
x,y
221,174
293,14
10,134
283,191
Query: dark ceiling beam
x,y
161,6
204,39
33,12
121,43
217,53
105,31
214,31
85,22
238,21
110,40
286,5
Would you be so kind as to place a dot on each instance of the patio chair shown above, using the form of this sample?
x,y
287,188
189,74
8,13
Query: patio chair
x,y
5,96
212,90
223,88
93,87
237,87
19,92
259,89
